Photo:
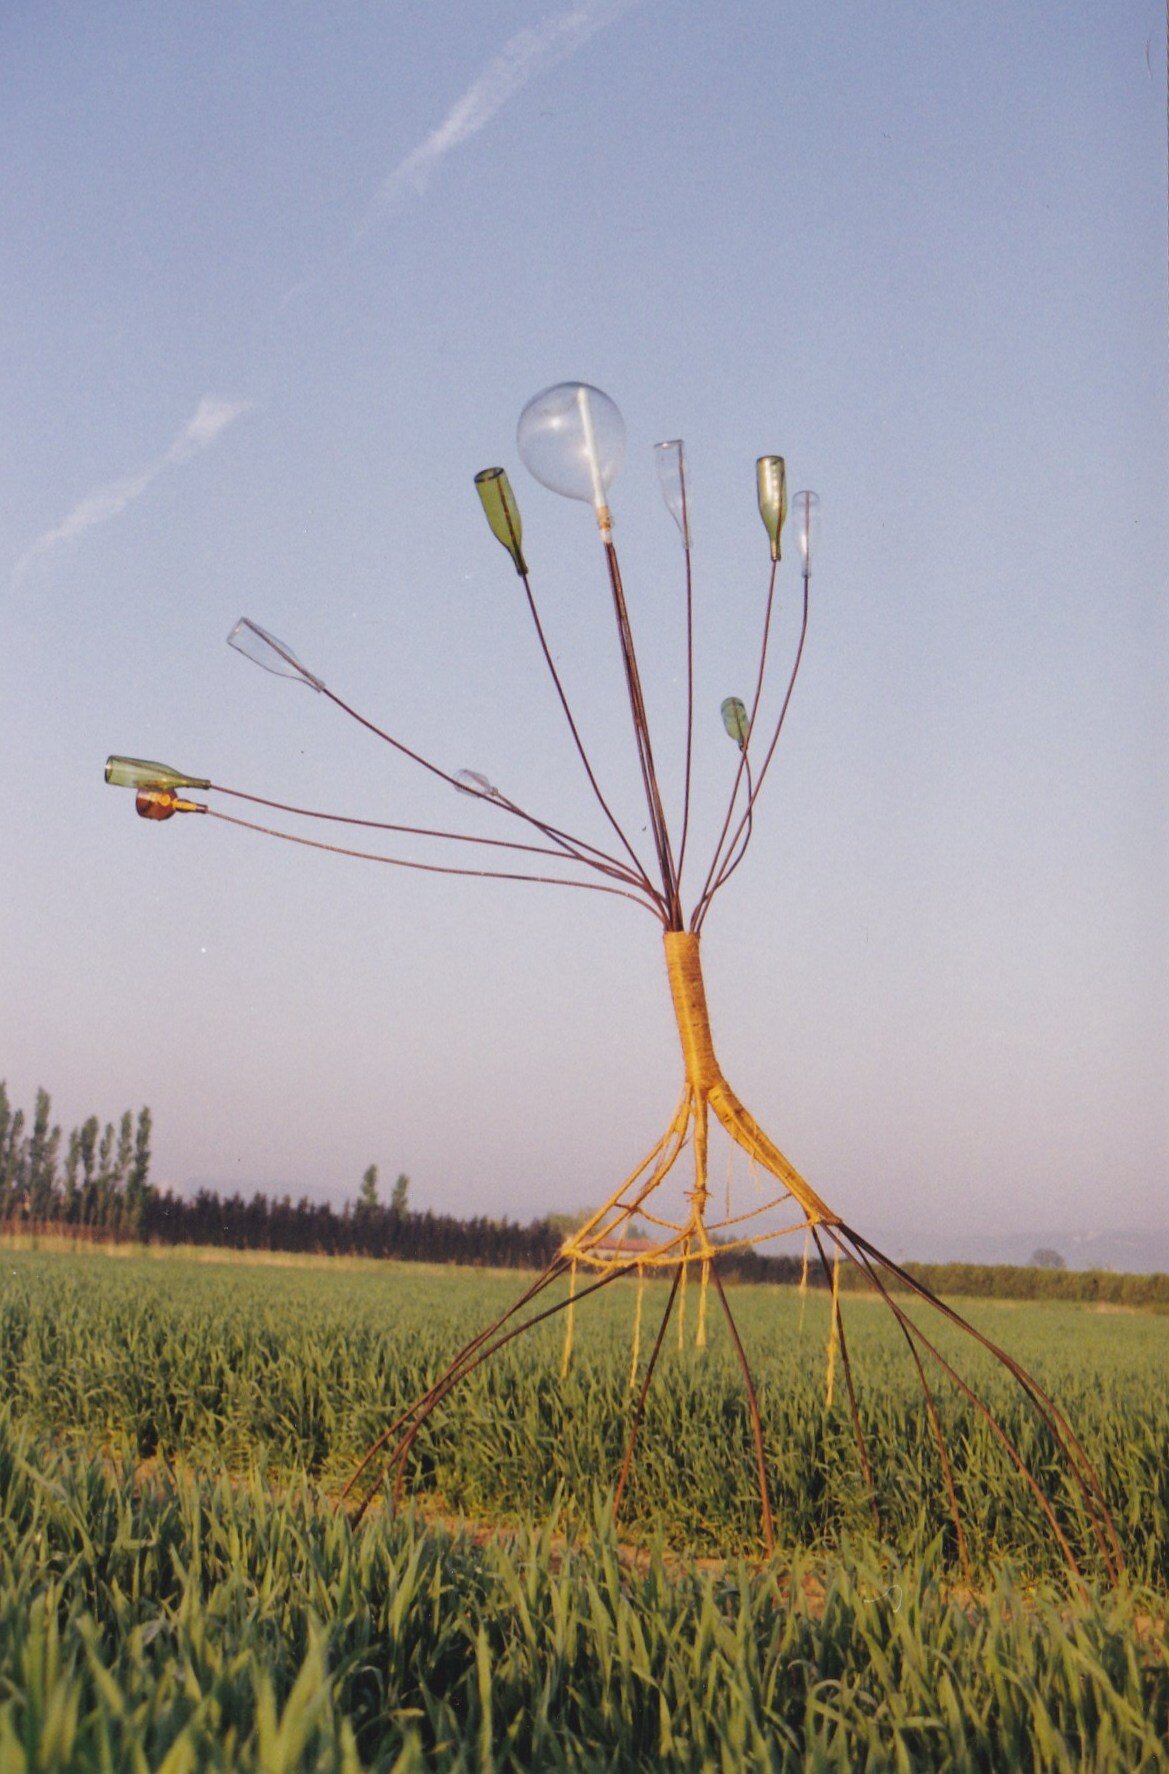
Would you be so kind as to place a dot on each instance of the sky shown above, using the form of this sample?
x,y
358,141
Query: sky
x,y
278,282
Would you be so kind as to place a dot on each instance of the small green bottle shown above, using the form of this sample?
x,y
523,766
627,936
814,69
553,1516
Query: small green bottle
x,y
502,513
771,482
142,773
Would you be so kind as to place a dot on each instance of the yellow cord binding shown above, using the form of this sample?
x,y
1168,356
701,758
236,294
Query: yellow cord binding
x,y
804,1282
832,1334
685,970
705,1078
637,1328
569,1322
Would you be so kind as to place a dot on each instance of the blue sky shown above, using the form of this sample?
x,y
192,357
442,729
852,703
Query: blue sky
x,y
278,282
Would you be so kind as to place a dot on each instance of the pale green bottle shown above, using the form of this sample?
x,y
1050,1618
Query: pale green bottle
x,y
142,773
736,721
771,482
502,512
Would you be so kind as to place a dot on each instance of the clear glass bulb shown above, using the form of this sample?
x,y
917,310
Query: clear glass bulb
x,y
572,438
471,782
805,510
255,643
671,461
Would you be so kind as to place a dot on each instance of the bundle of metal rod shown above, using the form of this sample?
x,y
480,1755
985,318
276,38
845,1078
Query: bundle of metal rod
x,y
600,1246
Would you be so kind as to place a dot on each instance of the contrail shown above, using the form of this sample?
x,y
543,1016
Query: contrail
x,y
524,55
212,416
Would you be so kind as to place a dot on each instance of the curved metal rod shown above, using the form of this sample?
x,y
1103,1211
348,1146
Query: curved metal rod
x,y
555,1267
858,1432
689,690
639,1408
418,831
402,1453
734,861
913,1328
317,683
644,747
700,910
1091,1490
589,854
756,1422
445,776
750,733
584,757
452,1377
422,1405
429,868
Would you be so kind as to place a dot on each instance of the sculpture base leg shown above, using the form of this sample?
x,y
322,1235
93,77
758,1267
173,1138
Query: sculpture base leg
x,y
613,1243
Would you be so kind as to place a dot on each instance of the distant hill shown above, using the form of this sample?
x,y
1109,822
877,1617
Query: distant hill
x,y
1140,1251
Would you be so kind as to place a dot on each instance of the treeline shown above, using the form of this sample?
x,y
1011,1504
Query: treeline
x,y
1008,1281
316,1228
97,1179
368,1229
94,1186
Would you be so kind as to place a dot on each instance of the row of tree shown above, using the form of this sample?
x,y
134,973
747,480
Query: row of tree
x,y
1009,1281
95,1186
99,1177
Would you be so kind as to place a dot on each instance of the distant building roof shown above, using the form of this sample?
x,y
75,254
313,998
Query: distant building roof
x,y
625,1247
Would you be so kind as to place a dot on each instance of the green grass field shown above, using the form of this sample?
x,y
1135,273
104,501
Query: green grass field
x,y
178,1591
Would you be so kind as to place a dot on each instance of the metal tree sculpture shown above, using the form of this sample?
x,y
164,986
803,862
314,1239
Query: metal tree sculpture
x,y
572,438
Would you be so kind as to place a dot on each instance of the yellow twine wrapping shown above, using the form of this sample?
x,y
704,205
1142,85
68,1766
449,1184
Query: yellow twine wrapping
x,y
685,970
703,1075
832,1336
700,1337
804,1282
637,1327
569,1321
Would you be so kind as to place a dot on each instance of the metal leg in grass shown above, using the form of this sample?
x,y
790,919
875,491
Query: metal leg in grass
x,y
639,1408
1112,1560
943,1456
1084,1473
548,1275
412,1421
756,1423
838,1330
572,437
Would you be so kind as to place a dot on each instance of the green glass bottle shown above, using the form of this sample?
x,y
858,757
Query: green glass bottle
x,y
503,514
142,773
771,481
735,721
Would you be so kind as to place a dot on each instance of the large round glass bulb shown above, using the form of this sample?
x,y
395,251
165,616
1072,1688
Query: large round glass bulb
x,y
572,438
